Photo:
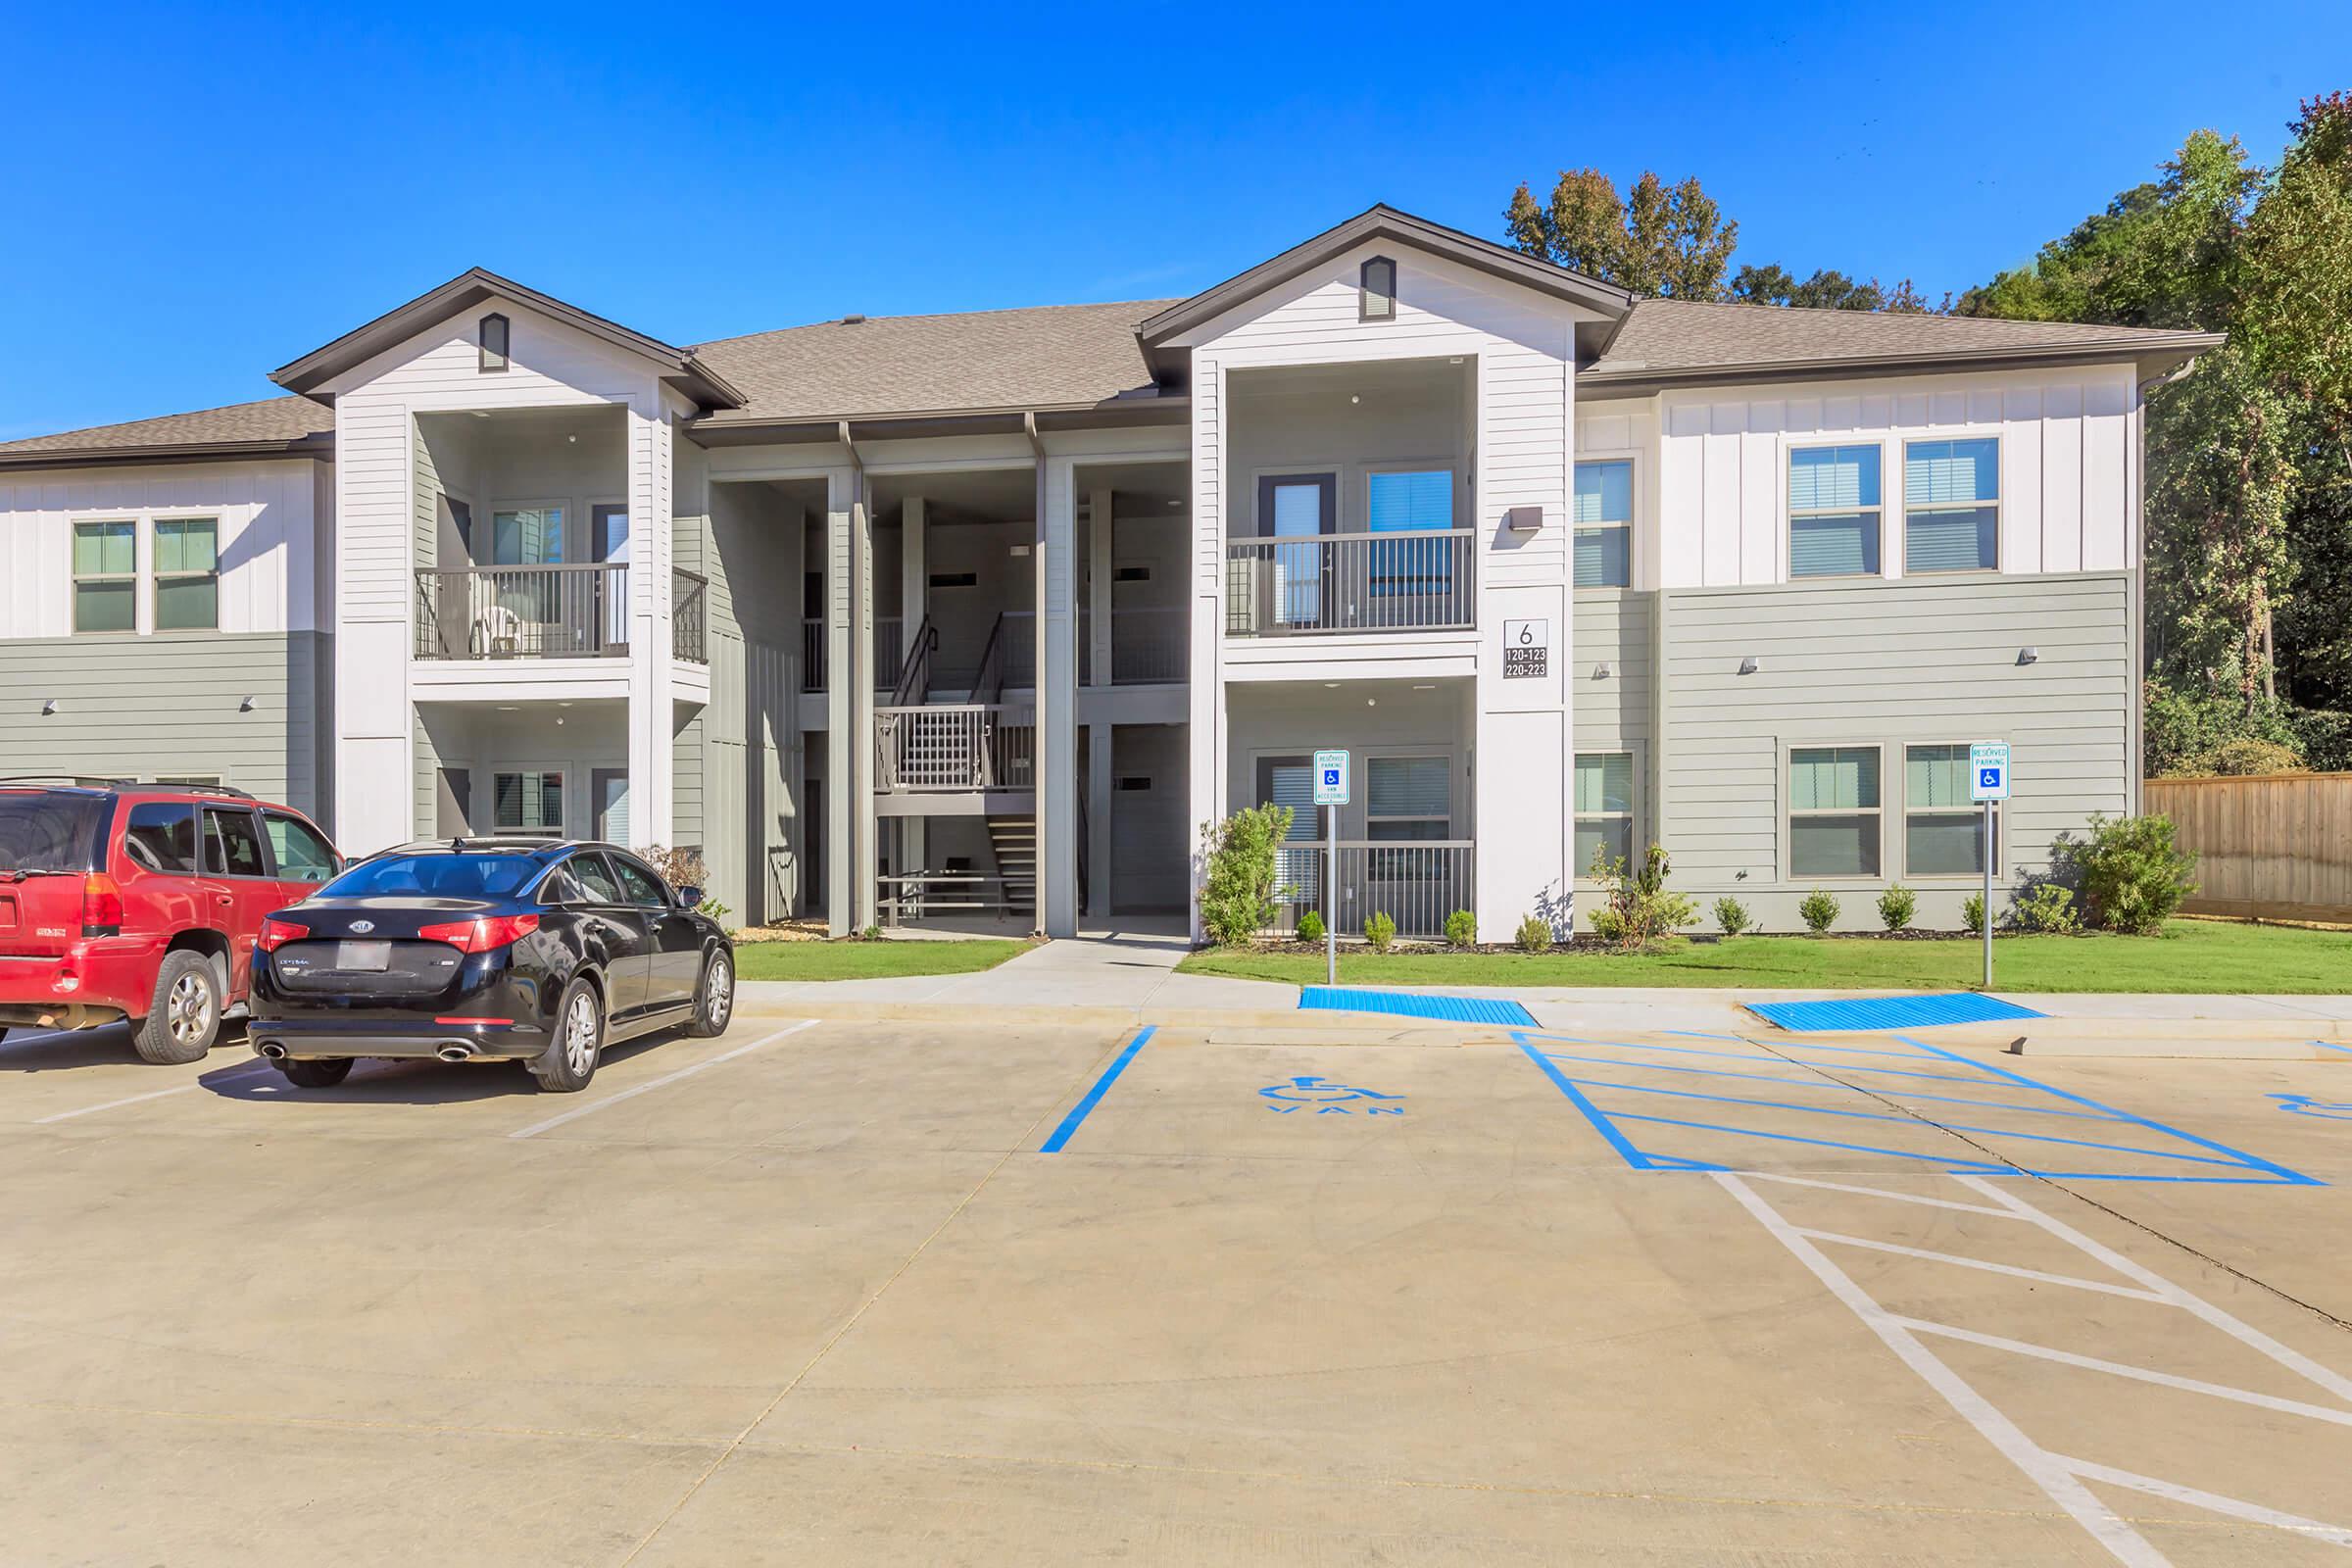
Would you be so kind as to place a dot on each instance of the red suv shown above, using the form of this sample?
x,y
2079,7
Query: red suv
x,y
142,901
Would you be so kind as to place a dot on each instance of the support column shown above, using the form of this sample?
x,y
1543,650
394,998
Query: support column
x,y
843,774
1058,700
913,588
652,754
1204,731
1100,513
867,863
1099,800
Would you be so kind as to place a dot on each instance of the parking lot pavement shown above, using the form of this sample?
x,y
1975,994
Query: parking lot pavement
x,y
890,1292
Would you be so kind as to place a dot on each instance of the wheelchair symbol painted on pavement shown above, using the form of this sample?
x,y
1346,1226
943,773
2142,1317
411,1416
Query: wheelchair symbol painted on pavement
x,y
2314,1106
1326,1098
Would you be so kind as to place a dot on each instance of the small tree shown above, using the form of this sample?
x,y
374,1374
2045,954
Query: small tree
x,y
1896,906
2132,871
1238,892
1380,932
1972,914
1461,929
1310,927
1636,910
1534,935
1733,916
1819,911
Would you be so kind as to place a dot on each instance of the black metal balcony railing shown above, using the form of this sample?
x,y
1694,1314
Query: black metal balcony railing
x,y
1415,882
554,611
1350,582
690,616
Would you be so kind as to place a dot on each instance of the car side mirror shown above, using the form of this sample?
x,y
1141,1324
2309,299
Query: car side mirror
x,y
689,898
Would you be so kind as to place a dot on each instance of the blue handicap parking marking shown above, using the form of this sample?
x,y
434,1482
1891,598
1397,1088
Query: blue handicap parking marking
x,y
1319,1097
1698,1108
2312,1105
1060,1136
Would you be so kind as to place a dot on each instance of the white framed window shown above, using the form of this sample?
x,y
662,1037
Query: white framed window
x,y
1408,799
1604,807
1833,812
187,574
493,335
1835,511
1376,290
1409,501
1943,830
1603,519
106,576
530,804
1952,505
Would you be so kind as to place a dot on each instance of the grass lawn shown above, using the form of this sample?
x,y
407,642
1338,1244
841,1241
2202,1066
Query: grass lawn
x,y
870,960
2196,955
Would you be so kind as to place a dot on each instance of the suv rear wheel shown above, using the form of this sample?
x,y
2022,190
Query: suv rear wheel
x,y
184,1017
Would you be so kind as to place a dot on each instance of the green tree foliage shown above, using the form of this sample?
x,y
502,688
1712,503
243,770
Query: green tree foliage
x,y
1826,290
1656,241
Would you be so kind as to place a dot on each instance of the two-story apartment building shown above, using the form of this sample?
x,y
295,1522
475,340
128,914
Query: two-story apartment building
x,y
985,617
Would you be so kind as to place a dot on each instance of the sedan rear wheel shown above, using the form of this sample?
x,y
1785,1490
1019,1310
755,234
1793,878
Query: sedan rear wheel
x,y
715,998
569,1061
324,1073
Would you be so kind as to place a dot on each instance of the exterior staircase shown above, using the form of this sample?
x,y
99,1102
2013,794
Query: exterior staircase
x,y
1012,840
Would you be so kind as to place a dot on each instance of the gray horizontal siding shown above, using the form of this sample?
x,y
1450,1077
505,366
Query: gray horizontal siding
x,y
1889,663
172,703
1616,627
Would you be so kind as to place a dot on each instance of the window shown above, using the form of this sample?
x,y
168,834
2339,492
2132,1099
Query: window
x,y
1833,511
1376,290
186,779
187,574
640,886
106,576
1604,807
595,879
162,837
1951,505
439,874
231,848
953,579
1131,575
529,802
526,536
1944,831
494,342
1419,501
302,855
1135,783
1299,863
1604,516
1407,799
1834,810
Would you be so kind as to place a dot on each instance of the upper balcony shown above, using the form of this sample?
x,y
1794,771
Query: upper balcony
x,y
554,610
1350,495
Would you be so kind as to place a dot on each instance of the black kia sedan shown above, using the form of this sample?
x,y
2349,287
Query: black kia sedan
x,y
475,950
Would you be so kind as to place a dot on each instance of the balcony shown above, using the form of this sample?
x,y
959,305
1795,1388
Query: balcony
x,y
976,748
890,653
1351,583
1150,644
1415,882
549,612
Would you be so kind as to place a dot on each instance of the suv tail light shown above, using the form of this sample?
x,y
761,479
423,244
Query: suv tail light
x,y
101,905
482,933
277,933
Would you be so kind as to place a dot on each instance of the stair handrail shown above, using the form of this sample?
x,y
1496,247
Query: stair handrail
x,y
914,676
989,684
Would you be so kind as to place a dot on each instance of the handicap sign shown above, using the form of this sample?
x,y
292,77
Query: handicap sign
x,y
1988,770
1331,778
2312,1105
1322,1097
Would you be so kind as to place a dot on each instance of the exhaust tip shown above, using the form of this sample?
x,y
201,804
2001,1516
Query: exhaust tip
x,y
454,1052
274,1050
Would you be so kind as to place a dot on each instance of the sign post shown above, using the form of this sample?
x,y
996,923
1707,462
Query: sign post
x,y
1988,781
1331,793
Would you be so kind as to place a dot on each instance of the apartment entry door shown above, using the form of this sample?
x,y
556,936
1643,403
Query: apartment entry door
x,y
609,541
609,795
1299,506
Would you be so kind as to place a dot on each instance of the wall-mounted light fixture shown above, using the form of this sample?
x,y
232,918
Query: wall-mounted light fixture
x,y
246,706
48,708
1750,664
2026,656
1602,671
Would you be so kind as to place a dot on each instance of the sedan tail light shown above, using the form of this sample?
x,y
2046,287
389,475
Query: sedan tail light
x,y
277,933
482,933
101,905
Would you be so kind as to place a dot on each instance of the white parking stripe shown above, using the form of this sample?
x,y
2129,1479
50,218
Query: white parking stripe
x,y
2091,1363
2214,1501
2101,1285
232,1076
536,1127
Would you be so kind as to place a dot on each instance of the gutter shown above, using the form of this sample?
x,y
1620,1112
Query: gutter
x,y
319,448
2165,348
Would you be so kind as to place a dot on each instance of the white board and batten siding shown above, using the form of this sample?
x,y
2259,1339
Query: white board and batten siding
x,y
272,517
1522,345
380,482
1718,512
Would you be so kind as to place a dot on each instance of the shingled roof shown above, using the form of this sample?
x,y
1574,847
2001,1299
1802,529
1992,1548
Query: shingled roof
x,y
271,425
1681,342
1048,356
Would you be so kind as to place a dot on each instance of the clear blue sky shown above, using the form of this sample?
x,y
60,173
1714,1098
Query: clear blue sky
x,y
197,195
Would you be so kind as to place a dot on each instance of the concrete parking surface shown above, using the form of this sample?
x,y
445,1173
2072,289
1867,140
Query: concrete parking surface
x,y
817,1293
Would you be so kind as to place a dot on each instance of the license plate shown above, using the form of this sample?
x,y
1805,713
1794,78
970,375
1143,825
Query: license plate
x,y
363,956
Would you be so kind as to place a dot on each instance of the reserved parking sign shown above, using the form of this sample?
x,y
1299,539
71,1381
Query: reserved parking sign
x,y
1988,770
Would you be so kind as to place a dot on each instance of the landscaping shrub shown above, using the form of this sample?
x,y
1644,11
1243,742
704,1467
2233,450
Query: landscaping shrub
x,y
1238,892
1636,908
683,869
1534,934
1972,914
1379,931
1461,929
1311,928
1896,906
1733,916
1819,911
2130,872
2048,908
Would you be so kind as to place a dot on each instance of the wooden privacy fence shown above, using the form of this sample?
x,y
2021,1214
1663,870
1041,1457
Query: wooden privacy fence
x,y
2277,846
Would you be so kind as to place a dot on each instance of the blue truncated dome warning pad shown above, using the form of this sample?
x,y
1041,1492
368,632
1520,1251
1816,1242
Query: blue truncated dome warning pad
x,y
1889,1013
1406,1005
